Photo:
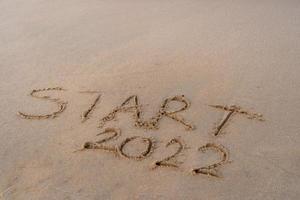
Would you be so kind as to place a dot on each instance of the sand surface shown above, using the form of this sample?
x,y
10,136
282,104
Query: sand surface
x,y
243,53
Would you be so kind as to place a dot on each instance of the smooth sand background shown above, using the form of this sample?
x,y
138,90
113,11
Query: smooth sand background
x,y
215,52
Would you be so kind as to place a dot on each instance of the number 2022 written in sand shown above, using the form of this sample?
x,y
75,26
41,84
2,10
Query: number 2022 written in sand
x,y
132,105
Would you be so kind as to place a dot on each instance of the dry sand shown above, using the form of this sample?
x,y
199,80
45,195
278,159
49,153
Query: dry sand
x,y
235,52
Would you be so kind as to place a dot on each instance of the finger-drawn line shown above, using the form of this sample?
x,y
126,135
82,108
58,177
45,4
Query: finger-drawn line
x,y
153,122
212,170
116,133
165,162
61,105
85,114
143,155
232,110
33,93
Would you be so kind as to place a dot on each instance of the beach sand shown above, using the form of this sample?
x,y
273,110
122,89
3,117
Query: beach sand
x,y
243,53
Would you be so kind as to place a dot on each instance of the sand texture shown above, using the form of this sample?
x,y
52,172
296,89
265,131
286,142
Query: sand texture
x,y
142,99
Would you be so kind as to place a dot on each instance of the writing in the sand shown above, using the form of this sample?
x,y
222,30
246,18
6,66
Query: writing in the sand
x,y
133,106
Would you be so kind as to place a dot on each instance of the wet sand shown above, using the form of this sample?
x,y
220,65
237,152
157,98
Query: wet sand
x,y
243,53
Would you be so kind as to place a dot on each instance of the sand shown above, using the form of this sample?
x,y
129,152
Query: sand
x,y
242,53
